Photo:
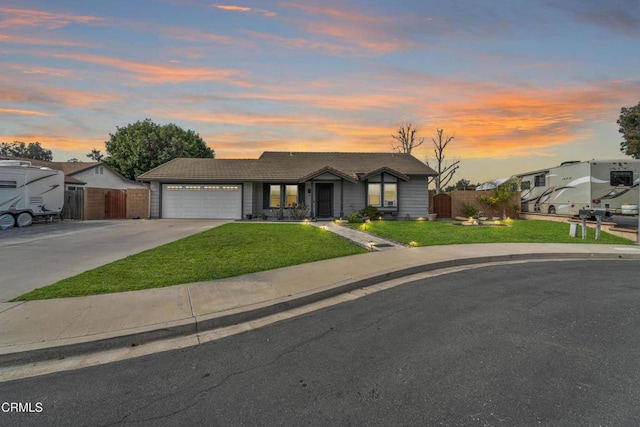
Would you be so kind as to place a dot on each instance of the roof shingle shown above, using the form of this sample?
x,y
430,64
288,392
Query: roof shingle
x,y
287,166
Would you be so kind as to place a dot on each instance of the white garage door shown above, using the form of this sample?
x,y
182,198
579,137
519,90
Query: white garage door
x,y
212,201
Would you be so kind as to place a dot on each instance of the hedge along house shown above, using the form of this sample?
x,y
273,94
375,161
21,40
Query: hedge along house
x,y
330,185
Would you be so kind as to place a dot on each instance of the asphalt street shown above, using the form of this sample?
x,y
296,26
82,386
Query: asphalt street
x,y
548,343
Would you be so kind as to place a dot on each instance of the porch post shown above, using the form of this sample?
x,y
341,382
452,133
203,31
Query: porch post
x,y
313,196
341,198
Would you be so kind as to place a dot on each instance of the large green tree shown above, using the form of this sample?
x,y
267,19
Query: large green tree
x,y
143,145
629,122
33,150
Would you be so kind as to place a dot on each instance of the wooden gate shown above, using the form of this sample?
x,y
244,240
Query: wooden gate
x,y
442,205
73,207
115,204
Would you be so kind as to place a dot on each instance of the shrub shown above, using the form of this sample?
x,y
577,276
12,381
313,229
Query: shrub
x,y
469,210
370,212
298,211
354,218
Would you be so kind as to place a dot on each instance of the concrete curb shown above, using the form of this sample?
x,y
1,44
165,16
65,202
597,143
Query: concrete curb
x,y
197,324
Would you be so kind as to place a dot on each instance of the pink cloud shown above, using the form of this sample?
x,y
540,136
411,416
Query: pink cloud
x,y
39,41
234,8
21,18
155,73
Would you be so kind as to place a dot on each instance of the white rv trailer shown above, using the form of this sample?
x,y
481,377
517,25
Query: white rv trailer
x,y
28,191
609,185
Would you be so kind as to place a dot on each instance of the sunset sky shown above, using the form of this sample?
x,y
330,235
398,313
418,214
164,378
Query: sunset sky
x,y
523,84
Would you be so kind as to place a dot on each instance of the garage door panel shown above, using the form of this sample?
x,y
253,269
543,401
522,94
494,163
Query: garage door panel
x,y
210,201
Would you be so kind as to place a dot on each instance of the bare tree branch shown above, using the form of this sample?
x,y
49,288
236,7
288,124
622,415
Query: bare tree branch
x,y
445,172
406,139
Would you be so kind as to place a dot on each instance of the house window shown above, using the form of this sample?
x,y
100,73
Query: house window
x,y
621,178
375,192
525,185
540,180
390,194
274,196
291,195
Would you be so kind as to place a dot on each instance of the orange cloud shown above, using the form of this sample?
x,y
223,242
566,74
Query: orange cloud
x,y
54,95
59,142
234,8
23,112
153,73
488,120
20,18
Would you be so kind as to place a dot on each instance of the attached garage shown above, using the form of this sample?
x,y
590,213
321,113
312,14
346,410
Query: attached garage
x,y
207,201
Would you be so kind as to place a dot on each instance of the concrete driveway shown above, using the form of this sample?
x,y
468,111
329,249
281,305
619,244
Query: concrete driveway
x,y
45,253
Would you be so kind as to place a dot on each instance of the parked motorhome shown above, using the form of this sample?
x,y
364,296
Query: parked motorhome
x,y
28,192
609,185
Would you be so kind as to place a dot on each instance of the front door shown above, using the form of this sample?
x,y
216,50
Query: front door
x,y
324,200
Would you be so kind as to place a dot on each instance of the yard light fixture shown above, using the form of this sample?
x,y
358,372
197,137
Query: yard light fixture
x,y
413,243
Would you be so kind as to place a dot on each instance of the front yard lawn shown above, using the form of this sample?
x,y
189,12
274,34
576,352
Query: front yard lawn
x,y
229,250
422,233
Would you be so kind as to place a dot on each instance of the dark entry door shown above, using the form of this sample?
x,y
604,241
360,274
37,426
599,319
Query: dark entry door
x,y
324,200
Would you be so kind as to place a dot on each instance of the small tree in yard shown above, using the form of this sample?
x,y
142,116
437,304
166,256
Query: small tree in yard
x,y
445,171
500,196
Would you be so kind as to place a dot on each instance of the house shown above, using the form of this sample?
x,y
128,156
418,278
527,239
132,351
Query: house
x,y
95,191
329,185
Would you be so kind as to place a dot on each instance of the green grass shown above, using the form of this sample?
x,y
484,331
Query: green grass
x,y
235,249
226,251
518,231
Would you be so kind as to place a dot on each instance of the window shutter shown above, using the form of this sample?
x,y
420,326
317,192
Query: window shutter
x,y
265,195
301,193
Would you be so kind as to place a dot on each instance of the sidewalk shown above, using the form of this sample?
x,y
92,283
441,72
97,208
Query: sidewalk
x,y
53,329
370,242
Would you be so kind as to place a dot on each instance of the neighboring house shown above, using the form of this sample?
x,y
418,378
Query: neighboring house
x,y
101,192
330,185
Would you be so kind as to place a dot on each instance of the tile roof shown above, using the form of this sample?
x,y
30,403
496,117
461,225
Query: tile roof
x,y
288,166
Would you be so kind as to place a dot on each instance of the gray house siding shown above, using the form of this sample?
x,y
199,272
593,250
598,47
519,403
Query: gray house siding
x,y
247,198
154,200
353,197
413,198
